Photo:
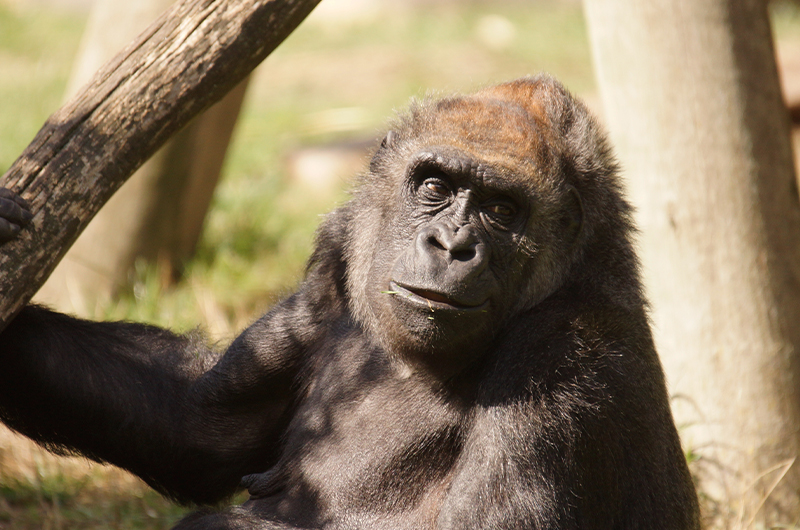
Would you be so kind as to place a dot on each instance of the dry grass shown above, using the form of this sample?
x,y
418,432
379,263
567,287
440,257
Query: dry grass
x,y
39,490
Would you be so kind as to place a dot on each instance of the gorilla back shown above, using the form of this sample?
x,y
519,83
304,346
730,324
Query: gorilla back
x,y
469,349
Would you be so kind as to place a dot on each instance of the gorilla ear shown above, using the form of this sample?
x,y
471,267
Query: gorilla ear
x,y
389,140
572,220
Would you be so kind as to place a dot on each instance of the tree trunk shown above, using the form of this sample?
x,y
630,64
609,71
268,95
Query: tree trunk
x,y
158,213
187,60
693,103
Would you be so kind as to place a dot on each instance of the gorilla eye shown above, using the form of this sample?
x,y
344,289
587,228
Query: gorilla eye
x,y
501,209
437,187
501,212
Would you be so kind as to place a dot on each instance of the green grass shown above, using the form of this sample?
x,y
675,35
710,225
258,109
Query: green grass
x,y
785,16
73,501
36,53
53,495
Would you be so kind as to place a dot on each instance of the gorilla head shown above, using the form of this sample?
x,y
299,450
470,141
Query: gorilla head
x,y
481,216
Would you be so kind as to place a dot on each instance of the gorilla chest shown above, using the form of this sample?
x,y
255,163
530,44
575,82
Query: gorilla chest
x,y
373,437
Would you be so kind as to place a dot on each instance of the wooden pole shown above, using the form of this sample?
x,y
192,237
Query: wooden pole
x,y
692,99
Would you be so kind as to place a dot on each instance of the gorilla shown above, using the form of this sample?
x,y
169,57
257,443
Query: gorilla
x,y
470,348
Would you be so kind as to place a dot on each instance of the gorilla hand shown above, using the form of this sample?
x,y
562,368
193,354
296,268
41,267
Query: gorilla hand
x,y
14,214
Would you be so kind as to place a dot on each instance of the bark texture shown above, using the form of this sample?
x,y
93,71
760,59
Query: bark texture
x,y
692,98
158,214
184,62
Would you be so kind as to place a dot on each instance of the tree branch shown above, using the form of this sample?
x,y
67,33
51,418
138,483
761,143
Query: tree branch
x,y
182,64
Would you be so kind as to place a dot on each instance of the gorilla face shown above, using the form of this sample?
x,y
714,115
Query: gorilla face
x,y
469,238
451,280
462,223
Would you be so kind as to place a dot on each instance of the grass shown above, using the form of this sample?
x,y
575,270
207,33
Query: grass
x,y
36,52
93,498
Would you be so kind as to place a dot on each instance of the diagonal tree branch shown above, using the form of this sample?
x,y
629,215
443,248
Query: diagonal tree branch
x,y
182,64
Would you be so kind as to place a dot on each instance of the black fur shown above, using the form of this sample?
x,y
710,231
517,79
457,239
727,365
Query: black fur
x,y
470,349
14,214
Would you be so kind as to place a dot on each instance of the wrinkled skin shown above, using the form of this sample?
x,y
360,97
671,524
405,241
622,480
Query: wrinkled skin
x,y
469,349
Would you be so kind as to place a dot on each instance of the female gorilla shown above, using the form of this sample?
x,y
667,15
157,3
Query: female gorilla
x,y
469,349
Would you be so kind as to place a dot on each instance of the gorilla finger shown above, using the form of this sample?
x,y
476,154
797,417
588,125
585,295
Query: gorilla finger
x,y
8,231
14,212
6,193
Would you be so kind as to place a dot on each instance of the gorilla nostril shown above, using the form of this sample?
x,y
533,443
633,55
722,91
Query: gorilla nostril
x,y
435,243
463,254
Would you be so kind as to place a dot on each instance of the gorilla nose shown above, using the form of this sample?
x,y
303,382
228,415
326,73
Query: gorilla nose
x,y
454,245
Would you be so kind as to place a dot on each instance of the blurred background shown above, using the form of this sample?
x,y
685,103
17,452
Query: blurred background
x,y
298,132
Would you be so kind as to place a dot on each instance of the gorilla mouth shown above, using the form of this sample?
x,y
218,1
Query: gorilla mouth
x,y
432,299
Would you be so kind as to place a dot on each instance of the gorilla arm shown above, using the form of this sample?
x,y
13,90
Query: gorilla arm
x,y
163,406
